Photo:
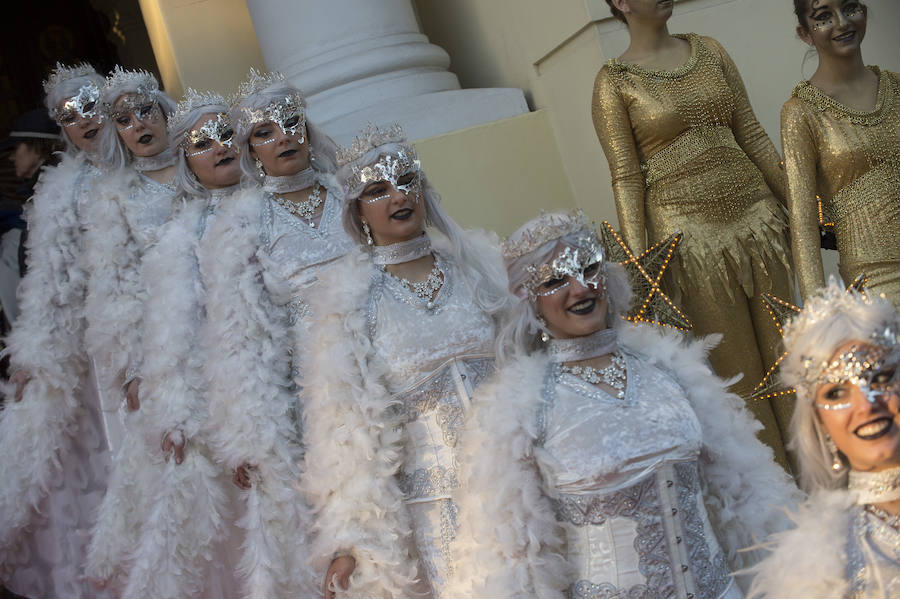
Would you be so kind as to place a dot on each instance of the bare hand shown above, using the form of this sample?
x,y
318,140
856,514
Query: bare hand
x,y
174,442
20,378
241,476
341,567
132,398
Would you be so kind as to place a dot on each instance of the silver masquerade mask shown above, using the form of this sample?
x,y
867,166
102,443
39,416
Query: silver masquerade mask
x,y
142,106
401,169
287,113
217,130
871,367
583,262
85,104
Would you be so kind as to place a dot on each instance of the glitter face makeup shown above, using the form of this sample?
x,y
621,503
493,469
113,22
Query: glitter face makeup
x,y
85,104
823,17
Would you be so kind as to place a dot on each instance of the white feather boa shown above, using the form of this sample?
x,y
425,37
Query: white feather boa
x,y
186,518
353,451
509,544
47,343
809,561
251,399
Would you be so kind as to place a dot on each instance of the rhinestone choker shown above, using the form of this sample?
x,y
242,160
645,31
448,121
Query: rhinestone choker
x,y
289,183
405,251
153,163
875,487
604,341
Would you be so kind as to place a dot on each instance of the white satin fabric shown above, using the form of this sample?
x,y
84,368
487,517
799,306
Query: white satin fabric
x,y
624,477
436,357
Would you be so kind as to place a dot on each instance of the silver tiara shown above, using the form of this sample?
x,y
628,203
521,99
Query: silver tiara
x,y
370,138
62,73
546,227
192,101
255,82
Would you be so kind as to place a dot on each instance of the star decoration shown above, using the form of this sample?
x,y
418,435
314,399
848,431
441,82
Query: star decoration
x,y
645,272
781,311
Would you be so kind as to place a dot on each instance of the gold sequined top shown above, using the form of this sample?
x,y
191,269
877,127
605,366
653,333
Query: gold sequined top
x,y
686,152
851,160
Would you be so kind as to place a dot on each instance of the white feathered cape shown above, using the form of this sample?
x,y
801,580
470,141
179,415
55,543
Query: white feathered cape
x,y
509,544
248,374
353,448
47,343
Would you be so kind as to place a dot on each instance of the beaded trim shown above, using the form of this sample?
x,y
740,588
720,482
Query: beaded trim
x,y
405,251
883,102
875,487
692,38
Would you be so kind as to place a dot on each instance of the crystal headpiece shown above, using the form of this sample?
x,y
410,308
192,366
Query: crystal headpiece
x,y
144,81
544,228
370,138
191,102
62,73
255,82
288,111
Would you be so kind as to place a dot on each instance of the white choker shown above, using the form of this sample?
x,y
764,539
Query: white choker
x,y
405,251
875,487
289,183
600,343
153,163
223,191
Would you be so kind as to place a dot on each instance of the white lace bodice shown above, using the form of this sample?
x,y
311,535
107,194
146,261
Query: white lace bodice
x,y
147,207
297,248
626,486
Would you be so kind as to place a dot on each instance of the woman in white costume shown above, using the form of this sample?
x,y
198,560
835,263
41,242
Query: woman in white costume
x,y
605,459
132,201
402,335
843,360
51,434
187,546
260,260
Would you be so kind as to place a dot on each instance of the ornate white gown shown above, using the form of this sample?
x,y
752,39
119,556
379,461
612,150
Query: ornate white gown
x,y
570,492
389,377
49,497
259,263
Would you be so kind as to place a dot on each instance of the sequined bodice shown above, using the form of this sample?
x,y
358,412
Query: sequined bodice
x,y
873,557
147,207
627,489
296,248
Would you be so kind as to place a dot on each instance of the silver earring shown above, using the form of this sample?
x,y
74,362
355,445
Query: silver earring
x,y
259,167
837,464
368,233
545,336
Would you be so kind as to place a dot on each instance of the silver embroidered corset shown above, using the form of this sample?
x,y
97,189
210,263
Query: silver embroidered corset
x,y
873,557
146,208
296,248
435,358
627,489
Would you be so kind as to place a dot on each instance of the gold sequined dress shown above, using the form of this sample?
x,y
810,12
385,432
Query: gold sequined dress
x,y
851,160
686,153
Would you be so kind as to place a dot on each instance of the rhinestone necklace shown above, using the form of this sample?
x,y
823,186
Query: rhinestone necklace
x,y
875,487
425,289
305,209
153,163
612,375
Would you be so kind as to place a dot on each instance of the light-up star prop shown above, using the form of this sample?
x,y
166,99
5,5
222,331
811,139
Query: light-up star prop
x,y
781,311
645,273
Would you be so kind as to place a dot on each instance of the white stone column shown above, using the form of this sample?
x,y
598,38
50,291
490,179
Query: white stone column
x,y
362,61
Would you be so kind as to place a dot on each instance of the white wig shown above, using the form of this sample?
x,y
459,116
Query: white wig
x,y
321,147
114,154
831,319
59,88
520,333
186,183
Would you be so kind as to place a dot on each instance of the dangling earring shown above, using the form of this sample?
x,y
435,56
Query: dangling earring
x,y
368,233
837,464
545,336
259,167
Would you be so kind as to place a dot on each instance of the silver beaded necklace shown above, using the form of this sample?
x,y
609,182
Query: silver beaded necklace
x,y
612,375
305,209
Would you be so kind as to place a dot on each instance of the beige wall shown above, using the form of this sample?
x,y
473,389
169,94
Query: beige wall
x,y
205,44
553,50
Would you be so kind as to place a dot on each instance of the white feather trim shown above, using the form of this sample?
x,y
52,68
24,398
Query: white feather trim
x,y
46,342
809,561
353,451
249,380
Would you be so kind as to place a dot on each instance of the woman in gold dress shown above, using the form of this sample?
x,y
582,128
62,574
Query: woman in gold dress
x,y
687,153
841,136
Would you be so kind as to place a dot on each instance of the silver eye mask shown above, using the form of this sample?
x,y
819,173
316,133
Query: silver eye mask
x,y
280,113
391,168
574,262
84,104
872,368
218,130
